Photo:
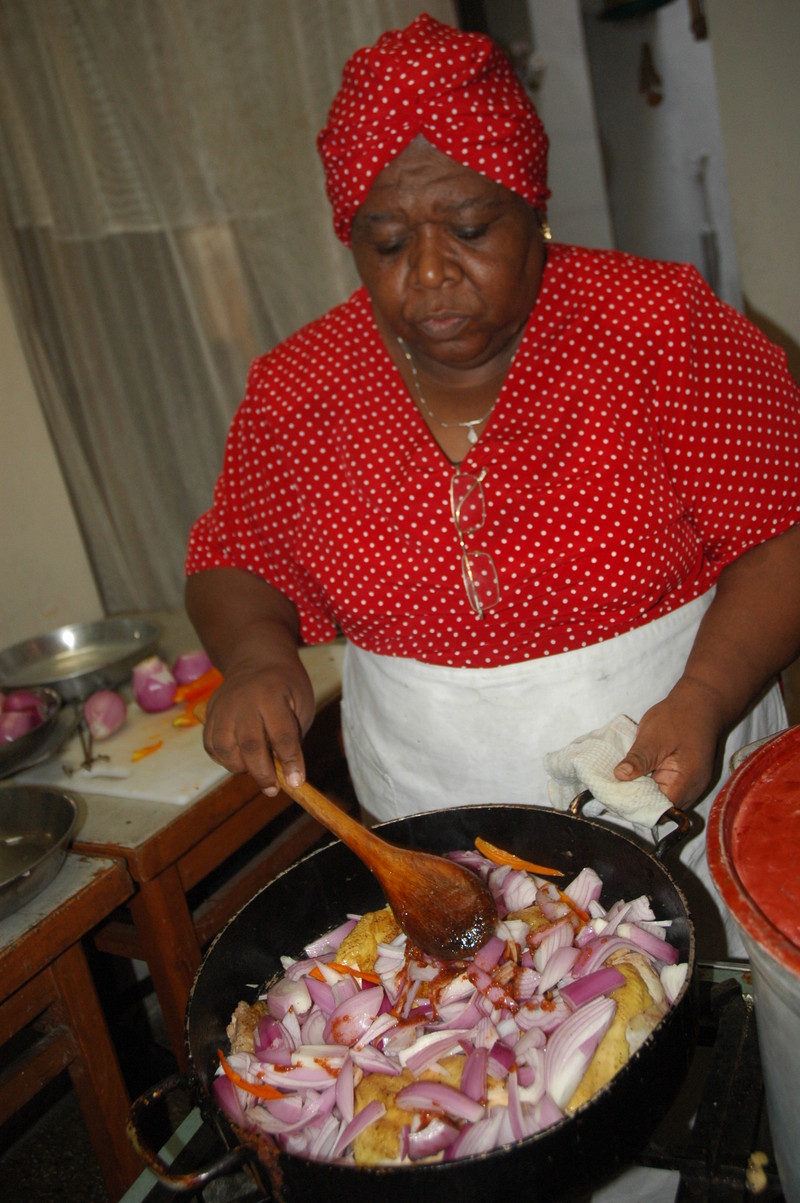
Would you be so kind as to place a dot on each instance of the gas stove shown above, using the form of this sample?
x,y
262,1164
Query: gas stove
x,y
715,1136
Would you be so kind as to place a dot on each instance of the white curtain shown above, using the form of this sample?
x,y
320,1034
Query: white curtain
x,y
163,220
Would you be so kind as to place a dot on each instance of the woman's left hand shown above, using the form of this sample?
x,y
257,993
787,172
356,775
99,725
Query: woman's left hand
x,y
676,743
750,633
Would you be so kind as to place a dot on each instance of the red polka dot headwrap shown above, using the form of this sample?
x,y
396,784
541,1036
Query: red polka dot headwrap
x,y
456,89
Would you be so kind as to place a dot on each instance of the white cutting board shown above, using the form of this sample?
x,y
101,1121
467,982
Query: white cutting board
x,y
176,772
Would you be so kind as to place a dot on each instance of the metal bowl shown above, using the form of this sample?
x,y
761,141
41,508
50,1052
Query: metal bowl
x,y
77,660
36,825
18,752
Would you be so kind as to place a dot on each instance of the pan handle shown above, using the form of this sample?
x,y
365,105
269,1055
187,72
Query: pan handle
x,y
663,844
228,1163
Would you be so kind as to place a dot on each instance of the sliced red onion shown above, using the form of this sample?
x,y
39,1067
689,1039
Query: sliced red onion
x,y
585,889
368,1115
501,1058
572,1046
474,1075
153,685
557,967
427,1049
673,978
435,1137
312,1029
354,1015
331,940
104,713
271,1034
321,993
655,946
287,995
487,957
345,1091
191,665
479,1137
227,1097
592,985
372,1061
438,1096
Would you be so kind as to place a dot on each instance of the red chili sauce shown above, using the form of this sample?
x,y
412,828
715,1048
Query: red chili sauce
x,y
765,848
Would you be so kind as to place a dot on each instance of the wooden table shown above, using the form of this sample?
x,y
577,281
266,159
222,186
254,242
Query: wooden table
x,y
46,987
191,864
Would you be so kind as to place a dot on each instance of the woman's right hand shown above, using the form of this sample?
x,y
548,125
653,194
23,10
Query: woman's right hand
x,y
258,711
265,704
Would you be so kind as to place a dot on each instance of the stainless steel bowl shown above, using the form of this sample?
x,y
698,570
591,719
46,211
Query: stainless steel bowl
x,y
17,753
36,825
77,660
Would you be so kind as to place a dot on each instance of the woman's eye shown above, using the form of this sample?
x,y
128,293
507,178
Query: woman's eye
x,y
470,233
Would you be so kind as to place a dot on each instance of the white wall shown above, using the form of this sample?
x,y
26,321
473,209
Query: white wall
x,y
45,578
653,152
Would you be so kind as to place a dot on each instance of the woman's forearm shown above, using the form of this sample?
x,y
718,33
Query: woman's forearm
x,y
751,631
266,702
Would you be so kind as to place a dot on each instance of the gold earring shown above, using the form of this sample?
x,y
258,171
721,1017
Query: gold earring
x,y
544,226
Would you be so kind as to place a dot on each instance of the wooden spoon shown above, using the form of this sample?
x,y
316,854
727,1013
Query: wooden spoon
x,y
444,908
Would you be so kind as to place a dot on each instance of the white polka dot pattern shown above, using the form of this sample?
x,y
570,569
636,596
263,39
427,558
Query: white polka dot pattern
x,y
457,89
646,435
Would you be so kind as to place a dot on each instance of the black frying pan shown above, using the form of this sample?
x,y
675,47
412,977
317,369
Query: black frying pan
x,y
317,893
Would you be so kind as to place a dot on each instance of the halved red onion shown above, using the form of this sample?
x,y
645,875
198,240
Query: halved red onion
x,y
104,713
153,685
191,665
16,723
25,700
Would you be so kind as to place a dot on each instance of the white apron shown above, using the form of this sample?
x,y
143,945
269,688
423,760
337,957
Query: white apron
x,y
421,737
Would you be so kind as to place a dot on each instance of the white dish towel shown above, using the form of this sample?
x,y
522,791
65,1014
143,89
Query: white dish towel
x,y
588,764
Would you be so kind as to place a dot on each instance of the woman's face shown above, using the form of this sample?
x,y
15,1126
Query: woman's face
x,y
451,260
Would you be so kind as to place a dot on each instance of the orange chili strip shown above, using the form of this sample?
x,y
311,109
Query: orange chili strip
x,y
201,687
501,857
187,719
263,1090
583,915
147,750
346,969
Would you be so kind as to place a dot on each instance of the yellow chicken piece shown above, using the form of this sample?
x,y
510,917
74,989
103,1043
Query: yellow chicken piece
x,y
360,949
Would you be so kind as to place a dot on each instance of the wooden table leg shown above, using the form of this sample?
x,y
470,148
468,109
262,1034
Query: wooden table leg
x,y
95,1072
170,947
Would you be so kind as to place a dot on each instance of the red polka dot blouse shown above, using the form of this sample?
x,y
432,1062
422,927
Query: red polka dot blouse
x,y
646,435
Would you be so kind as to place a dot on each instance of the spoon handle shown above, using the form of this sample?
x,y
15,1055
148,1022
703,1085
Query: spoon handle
x,y
358,838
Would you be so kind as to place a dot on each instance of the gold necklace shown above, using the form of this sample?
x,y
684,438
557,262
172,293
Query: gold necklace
x,y
471,425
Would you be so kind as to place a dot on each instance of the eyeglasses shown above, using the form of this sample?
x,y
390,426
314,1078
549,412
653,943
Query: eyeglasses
x,y
468,507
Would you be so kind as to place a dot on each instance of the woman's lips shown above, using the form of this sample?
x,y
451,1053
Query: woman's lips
x,y
441,325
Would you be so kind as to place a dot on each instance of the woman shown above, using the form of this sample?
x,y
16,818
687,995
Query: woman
x,y
535,486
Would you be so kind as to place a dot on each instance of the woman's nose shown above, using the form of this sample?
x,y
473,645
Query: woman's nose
x,y
434,263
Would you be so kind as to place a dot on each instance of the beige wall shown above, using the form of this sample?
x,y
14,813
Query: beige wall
x,y
755,48
45,579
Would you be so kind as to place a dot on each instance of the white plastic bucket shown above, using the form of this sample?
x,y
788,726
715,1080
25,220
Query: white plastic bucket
x,y
773,770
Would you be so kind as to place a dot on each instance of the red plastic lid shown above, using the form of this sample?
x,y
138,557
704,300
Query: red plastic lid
x,y
753,847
